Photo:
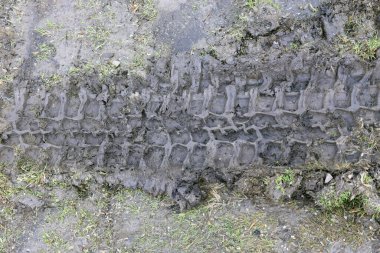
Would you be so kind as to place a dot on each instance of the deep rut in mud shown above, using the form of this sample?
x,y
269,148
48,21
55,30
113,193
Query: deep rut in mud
x,y
202,114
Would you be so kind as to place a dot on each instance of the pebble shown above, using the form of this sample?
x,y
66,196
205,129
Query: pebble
x,y
328,178
116,64
107,56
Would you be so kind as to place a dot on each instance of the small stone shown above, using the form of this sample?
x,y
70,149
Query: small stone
x,y
30,201
328,178
116,64
107,56
257,232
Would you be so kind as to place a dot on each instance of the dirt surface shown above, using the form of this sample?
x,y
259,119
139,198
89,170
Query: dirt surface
x,y
275,99
110,220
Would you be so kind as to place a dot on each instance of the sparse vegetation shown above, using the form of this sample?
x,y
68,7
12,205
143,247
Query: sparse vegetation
x,y
285,180
48,29
5,188
97,35
366,179
88,4
145,8
295,45
203,229
237,31
4,80
52,80
253,3
44,52
365,49
31,172
54,240
326,227
344,201
102,70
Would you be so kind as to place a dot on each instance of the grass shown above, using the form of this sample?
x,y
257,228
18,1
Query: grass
x,y
44,52
83,69
237,31
344,201
88,4
48,29
4,80
284,180
110,217
104,70
366,179
316,233
253,3
145,8
31,172
5,188
52,80
365,49
203,229
139,60
97,35
366,138
54,240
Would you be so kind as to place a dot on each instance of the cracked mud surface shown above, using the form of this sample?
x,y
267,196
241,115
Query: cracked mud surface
x,y
169,95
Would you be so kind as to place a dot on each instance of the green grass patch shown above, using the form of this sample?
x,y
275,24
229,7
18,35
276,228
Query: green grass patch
x,y
44,52
344,201
52,80
6,189
97,35
285,180
148,10
49,29
253,3
54,240
365,49
103,71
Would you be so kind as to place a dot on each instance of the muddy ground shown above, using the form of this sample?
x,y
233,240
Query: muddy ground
x,y
260,116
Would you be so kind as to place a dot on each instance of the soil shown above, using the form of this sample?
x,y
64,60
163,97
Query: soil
x,y
277,100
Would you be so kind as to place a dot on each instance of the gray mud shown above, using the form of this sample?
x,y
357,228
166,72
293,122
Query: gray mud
x,y
167,95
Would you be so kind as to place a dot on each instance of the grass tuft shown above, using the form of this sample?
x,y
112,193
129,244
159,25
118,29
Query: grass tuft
x,y
250,4
345,201
44,52
285,180
365,49
98,35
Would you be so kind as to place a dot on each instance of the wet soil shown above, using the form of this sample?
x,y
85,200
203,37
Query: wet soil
x,y
275,99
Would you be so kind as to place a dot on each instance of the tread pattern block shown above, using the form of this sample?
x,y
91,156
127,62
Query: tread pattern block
x,y
197,113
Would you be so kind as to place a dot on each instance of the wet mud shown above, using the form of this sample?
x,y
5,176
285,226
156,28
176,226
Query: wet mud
x,y
170,98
